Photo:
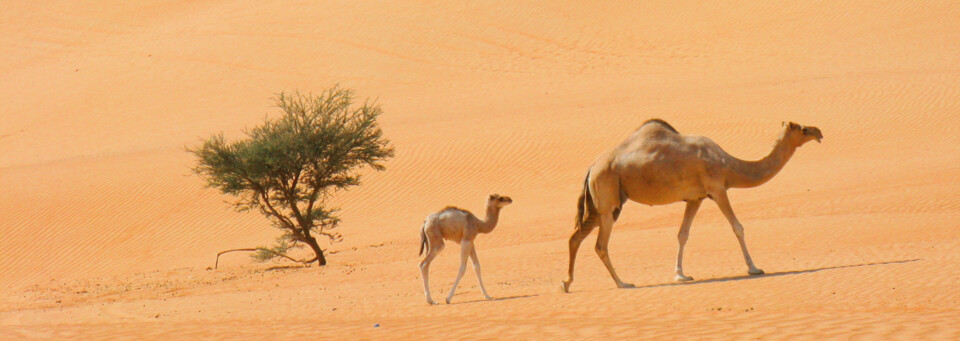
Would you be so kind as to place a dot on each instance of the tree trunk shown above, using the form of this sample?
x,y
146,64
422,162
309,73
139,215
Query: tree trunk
x,y
316,249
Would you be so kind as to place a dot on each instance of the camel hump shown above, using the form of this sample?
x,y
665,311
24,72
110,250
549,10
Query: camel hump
x,y
661,123
454,208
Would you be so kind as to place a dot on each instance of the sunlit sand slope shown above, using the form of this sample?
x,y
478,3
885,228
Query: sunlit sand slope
x,y
107,233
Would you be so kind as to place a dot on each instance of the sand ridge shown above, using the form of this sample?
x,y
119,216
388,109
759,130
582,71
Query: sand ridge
x,y
858,234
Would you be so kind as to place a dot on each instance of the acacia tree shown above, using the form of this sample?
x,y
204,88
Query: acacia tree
x,y
288,167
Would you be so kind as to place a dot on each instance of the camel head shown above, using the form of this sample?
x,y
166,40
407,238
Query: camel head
x,y
496,199
802,134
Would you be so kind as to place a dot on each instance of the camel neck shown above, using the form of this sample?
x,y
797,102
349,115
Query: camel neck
x,y
746,174
490,223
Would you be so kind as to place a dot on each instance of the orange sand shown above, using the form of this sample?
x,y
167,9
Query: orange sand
x,y
106,232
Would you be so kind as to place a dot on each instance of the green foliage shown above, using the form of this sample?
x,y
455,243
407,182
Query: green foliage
x,y
287,167
284,243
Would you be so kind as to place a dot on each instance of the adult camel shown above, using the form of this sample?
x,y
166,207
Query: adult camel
x,y
657,165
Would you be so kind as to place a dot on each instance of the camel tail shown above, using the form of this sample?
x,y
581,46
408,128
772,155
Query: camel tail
x,y
423,238
586,211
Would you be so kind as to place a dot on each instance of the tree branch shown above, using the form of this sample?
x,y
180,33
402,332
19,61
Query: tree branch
x,y
305,262
266,201
312,200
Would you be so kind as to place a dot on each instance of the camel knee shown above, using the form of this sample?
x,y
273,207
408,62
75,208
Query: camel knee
x,y
577,238
437,249
425,262
601,250
738,230
682,237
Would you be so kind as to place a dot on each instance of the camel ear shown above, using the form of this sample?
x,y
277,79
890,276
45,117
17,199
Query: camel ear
x,y
494,196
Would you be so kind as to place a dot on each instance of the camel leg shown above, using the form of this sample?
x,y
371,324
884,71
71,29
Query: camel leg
x,y
603,239
465,247
432,251
724,203
476,268
688,214
575,240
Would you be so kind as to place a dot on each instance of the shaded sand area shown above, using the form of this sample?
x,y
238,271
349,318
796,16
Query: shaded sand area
x,y
107,234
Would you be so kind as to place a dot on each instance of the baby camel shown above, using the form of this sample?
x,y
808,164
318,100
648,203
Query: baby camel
x,y
459,226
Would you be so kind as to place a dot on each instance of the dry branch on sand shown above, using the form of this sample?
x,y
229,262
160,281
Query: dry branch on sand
x,y
305,262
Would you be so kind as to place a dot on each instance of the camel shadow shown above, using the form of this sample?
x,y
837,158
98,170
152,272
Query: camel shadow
x,y
775,274
496,299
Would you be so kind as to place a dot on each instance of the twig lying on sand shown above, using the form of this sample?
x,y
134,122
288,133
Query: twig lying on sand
x,y
305,262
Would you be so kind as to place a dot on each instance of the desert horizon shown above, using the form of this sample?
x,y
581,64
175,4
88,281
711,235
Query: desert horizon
x,y
107,233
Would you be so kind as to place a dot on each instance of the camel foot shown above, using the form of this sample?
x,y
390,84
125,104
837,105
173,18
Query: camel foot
x,y
682,278
565,286
625,285
487,297
448,299
431,302
755,272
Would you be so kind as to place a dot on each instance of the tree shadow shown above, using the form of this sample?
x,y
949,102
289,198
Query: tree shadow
x,y
774,274
496,299
285,267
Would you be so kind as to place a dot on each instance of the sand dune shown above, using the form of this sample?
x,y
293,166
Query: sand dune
x,y
106,232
